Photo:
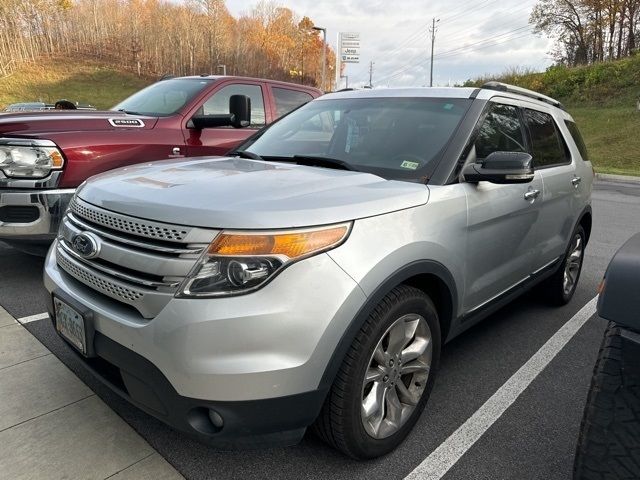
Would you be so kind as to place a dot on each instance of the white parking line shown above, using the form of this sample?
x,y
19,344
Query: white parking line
x,y
33,318
436,465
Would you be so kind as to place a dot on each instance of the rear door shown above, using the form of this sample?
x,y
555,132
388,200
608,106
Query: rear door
x,y
218,141
501,221
552,161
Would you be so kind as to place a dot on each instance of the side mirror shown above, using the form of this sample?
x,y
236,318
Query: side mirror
x,y
239,115
240,109
501,167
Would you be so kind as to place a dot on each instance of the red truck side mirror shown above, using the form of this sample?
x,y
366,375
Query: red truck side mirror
x,y
239,115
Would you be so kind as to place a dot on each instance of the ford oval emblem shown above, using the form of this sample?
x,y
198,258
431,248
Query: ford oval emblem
x,y
86,245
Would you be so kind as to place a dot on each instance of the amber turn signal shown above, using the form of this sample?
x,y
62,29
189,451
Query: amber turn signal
x,y
292,244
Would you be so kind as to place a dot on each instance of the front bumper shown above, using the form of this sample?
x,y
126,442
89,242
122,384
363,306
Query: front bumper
x,y
257,359
32,215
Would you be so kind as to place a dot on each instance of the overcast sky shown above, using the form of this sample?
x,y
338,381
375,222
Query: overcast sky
x,y
473,37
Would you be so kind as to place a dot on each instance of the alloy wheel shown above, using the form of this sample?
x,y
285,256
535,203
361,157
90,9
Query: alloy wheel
x,y
572,267
396,376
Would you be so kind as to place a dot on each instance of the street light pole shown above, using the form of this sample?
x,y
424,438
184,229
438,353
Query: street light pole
x,y
324,55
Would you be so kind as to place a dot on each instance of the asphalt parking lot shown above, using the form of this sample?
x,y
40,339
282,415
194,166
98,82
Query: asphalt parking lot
x,y
533,439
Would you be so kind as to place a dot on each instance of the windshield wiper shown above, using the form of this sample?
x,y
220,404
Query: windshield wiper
x,y
245,154
327,162
128,112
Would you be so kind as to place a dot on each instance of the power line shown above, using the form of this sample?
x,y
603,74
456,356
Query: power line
x,y
495,37
480,45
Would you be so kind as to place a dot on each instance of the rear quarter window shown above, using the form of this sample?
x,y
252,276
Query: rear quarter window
x,y
577,138
287,100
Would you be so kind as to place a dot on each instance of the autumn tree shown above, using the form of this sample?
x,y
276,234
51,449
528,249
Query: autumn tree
x,y
588,31
158,37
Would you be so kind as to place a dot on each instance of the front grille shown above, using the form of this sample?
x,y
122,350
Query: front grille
x,y
139,262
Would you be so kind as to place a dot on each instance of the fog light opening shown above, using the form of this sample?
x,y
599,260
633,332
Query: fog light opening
x,y
216,419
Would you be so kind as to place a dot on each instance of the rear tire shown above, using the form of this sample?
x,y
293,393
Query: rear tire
x,y
371,377
560,287
609,442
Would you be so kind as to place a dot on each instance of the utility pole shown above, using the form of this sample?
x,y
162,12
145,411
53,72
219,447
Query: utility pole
x,y
371,74
433,42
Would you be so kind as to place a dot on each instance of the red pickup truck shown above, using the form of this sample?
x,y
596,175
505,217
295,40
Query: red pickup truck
x,y
44,156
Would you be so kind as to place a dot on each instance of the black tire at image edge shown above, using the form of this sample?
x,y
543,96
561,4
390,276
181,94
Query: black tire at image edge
x,y
609,442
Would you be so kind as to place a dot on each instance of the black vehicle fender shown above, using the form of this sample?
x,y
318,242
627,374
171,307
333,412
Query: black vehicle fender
x,y
620,300
407,274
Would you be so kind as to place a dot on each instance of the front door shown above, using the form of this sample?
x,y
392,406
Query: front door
x,y
218,141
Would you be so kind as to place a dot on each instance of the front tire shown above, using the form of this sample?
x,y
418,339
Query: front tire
x,y
386,377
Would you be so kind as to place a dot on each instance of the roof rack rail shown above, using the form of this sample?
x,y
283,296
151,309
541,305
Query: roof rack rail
x,y
505,87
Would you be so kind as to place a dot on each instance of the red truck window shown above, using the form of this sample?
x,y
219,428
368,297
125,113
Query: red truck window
x,y
287,100
218,103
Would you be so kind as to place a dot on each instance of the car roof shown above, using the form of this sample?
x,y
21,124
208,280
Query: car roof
x,y
403,92
486,93
233,77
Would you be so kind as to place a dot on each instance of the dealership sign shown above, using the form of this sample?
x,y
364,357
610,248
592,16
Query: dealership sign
x,y
349,47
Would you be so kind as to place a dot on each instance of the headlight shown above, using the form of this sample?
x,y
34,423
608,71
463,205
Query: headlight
x,y
240,262
26,161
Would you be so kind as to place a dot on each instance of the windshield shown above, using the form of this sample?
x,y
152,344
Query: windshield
x,y
164,98
392,137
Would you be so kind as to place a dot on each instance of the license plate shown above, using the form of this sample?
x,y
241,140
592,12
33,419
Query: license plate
x,y
70,324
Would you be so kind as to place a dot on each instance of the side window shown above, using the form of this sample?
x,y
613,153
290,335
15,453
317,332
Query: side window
x,y
218,103
548,147
287,100
575,133
501,131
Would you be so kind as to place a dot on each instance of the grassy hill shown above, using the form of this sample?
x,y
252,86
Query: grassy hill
x,y
85,81
602,99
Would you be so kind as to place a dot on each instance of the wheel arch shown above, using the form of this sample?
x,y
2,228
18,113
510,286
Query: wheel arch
x,y
431,277
586,220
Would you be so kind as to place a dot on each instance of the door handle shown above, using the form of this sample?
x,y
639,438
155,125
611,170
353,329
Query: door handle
x,y
531,195
575,181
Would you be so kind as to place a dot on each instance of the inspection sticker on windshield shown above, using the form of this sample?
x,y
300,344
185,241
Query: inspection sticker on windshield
x,y
409,165
126,122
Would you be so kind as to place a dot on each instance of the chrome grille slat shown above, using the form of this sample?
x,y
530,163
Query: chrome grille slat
x,y
75,269
78,222
148,263
115,273
130,225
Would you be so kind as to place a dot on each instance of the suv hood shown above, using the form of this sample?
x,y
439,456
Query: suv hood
x,y
26,123
247,194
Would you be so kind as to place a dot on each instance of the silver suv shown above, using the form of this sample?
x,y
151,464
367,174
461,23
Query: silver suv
x,y
312,277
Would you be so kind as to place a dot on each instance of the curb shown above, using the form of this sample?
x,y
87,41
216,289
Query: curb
x,y
618,178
